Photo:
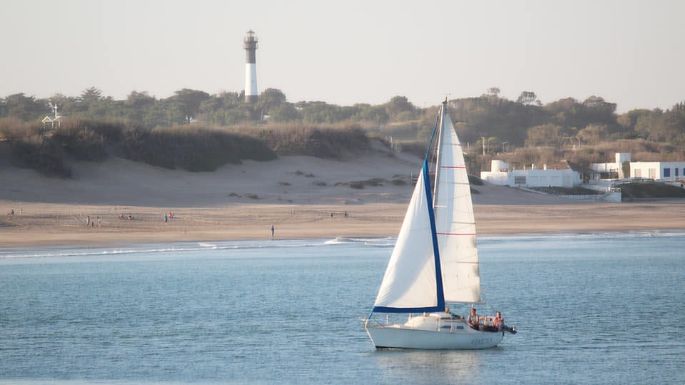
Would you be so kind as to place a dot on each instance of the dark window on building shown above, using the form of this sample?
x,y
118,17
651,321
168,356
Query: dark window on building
x,y
676,171
667,172
519,180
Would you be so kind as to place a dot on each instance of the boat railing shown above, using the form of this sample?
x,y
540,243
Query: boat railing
x,y
373,322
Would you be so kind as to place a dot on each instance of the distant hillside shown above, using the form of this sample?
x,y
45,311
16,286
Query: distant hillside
x,y
195,130
189,147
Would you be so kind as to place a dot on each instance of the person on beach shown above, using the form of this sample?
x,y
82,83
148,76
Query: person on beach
x,y
273,230
166,218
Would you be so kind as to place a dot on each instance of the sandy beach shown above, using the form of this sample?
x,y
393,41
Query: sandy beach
x,y
65,224
121,202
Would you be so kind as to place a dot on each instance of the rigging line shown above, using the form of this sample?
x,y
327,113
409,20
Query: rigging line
x,y
465,262
457,234
435,127
440,133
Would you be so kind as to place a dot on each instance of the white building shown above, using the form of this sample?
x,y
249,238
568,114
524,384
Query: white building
x,y
55,119
667,171
500,174
624,168
612,170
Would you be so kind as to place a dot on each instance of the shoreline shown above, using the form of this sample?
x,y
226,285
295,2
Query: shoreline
x,y
137,245
44,224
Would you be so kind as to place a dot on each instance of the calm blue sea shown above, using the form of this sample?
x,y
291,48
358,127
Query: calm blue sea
x,y
605,308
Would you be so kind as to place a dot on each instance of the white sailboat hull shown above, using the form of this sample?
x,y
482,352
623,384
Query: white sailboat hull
x,y
398,336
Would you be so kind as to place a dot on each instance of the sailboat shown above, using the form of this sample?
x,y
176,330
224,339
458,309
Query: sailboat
x,y
435,260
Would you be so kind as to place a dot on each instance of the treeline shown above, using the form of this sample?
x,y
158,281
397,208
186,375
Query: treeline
x,y
527,122
187,106
525,131
501,122
198,131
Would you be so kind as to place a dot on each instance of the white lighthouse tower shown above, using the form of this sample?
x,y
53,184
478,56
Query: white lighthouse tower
x,y
250,45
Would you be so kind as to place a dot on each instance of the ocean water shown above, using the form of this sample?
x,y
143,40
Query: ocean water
x,y
603,308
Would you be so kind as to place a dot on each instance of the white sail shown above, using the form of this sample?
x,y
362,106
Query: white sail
x,y
435,261
410,278
454,221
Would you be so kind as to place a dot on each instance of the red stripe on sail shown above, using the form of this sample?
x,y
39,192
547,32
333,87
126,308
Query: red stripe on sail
x,y
456,234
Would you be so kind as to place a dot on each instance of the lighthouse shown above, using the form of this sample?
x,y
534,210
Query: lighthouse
x,y
250,45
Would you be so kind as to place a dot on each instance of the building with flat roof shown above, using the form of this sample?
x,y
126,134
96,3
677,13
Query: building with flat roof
x,y
666,171
623,168
501,174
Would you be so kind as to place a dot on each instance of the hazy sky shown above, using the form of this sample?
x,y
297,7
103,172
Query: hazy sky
x,y
348,51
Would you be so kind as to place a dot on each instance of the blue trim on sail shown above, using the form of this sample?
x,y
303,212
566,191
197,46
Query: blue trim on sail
x,y
384,309
436,253
436,249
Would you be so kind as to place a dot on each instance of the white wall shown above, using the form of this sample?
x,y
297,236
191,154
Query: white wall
x,y
648,170
605,167
680,166
533,178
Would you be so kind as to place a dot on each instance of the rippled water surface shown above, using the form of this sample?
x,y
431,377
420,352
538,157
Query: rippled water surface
x,y
590,309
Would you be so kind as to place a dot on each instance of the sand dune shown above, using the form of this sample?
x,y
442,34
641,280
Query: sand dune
x,y
302,197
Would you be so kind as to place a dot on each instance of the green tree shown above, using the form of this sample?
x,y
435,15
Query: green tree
x,y
544,135
285,112
138,106
398,105
597,110
593,133
369,113
185,104
269,99
493,92
25,107
527,98
91,95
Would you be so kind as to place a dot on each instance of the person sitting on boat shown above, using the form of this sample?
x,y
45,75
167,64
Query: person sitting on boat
x,y
473,318
498,322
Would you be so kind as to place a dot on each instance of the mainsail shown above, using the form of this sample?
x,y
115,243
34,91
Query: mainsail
x,y
454,221
435,258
